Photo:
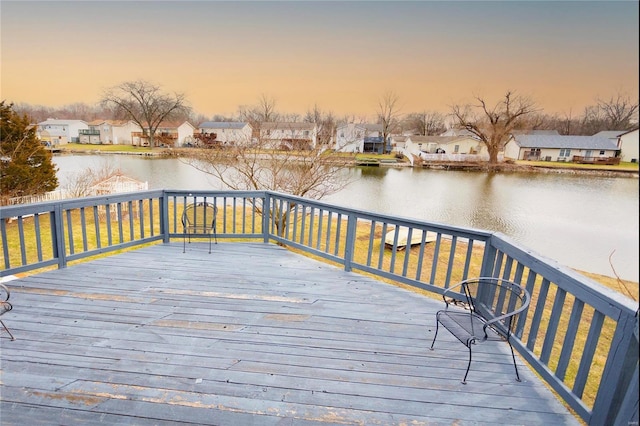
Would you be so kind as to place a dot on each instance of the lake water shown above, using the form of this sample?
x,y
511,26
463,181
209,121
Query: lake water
x,y
579,221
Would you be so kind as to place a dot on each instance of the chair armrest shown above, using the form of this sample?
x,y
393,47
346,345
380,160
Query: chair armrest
x,y
455,295
4,295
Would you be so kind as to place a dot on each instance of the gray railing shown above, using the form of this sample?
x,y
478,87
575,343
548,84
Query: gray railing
x,y
579,336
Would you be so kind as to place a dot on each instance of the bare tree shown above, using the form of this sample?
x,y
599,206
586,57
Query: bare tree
x,y
388,113
426,123
313,173
145,104
493,125
80,184
263,111
325,123
618,112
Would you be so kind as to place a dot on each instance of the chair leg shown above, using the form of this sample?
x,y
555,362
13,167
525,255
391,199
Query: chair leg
x,y
209,243
435,335
5,327
513,355
464,380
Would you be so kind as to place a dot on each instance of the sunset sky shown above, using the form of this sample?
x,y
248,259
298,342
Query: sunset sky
x,y
341,56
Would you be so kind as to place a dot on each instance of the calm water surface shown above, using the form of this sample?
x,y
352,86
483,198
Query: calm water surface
x,y
576,220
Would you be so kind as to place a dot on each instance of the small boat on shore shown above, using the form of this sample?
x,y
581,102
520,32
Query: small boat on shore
x,y
403,234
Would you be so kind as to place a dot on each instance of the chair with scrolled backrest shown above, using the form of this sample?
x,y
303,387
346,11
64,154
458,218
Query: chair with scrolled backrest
x,y
482,309
199,219
5,306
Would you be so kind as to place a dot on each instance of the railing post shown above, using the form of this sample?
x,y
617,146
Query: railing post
x,y
618,387
266,214
164,217
350,242
489,259
57,237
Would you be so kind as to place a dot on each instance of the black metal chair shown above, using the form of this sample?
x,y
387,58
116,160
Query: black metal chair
x,y
482,309
199,219
5,306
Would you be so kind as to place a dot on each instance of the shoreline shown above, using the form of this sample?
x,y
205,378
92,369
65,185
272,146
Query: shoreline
x,y
505,167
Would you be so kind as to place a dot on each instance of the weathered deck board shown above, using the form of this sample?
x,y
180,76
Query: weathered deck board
x,y
249,334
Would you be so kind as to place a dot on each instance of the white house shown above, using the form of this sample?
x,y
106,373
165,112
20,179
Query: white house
x,y
559,148
398,143
60,131
359,137
291,135
227,132
628,145
444,145
167,134
116,132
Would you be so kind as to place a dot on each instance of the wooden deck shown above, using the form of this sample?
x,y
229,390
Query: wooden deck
x,y
249,334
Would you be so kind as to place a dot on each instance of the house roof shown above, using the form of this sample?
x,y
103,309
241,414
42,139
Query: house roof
x,y
629,131
458,132
366,126
566,142
437,139
119,183
173,124
54,121
114,123
610,134
287,126
223,125
535,132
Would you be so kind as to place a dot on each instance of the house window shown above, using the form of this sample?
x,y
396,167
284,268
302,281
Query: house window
x,y
602,152
565,152
342,134
306,133
456,149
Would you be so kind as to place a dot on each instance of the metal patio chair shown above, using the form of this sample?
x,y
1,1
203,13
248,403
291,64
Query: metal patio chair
x,y
199,219
5,306
482,309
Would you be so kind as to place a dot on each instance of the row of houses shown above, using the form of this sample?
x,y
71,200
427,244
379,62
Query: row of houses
x,y
538,145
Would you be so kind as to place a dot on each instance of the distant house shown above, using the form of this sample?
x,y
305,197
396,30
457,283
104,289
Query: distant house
x,y
360,137
167,134
560,148
444,144
628,145
116,132
289,135
117,183
227,132
60,132
398,143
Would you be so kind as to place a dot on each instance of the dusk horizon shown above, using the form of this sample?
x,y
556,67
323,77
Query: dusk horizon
x,y
339,56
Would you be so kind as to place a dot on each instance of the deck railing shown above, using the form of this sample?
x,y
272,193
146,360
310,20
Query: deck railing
x,y
580,337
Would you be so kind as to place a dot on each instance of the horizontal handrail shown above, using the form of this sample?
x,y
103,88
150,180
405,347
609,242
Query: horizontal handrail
x,y
579,336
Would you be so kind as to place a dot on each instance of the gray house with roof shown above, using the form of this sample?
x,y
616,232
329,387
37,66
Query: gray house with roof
x,y
227,132
560,148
